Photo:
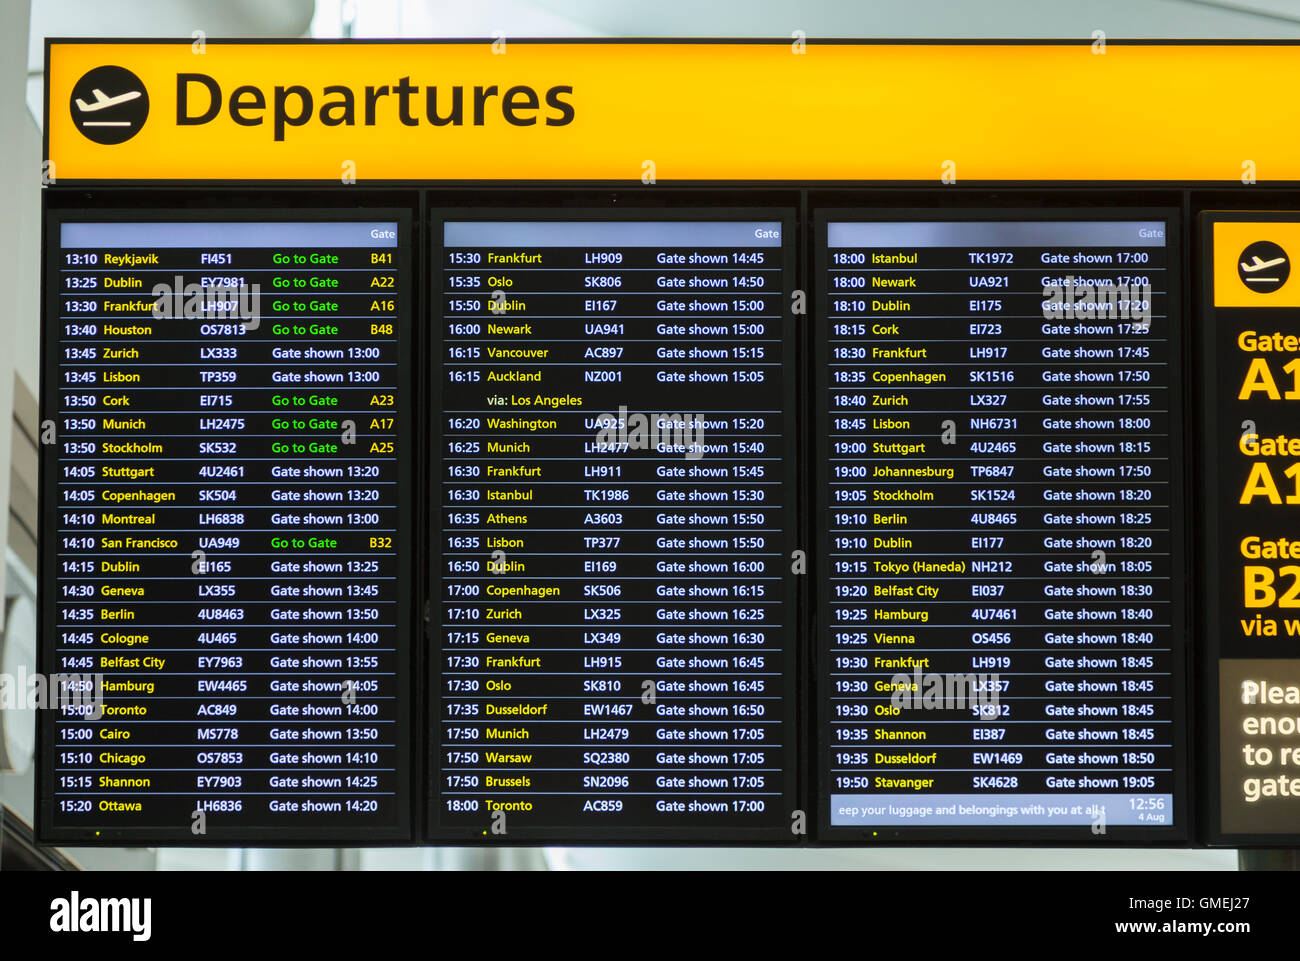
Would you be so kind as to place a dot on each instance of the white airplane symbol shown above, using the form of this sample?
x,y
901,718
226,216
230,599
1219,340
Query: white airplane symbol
x,y
1261,264
102,100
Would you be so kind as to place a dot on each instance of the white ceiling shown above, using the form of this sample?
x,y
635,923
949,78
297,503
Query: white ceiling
x,y
1187,19
164,18
1203,19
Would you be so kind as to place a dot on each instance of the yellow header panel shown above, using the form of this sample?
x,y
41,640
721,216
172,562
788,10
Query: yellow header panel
x,y
1252,264
695,111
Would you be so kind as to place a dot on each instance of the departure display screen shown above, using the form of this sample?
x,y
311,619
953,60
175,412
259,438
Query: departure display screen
x,y
564,524
1000,644
227,524
613,649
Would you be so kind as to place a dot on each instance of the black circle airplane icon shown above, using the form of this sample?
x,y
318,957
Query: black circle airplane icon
x,y
109,105
1263,267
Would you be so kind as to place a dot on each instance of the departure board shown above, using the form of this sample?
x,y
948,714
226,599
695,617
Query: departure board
x,y
227,520
506,487
612,649
1001,638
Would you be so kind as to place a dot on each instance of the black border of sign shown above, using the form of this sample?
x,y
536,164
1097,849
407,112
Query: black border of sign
x,y
1181,831
1033,199
792,750
115,207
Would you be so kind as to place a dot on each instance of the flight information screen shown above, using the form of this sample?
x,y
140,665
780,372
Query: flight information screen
x,y
1001,639
612,652
226,524
590,525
